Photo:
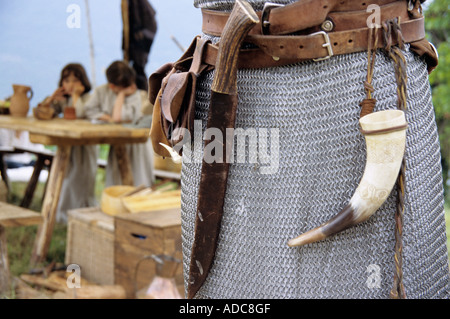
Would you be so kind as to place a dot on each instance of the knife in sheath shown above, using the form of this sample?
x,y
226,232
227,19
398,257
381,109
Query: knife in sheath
x,y
222,115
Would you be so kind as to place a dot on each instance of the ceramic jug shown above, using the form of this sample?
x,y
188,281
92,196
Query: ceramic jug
x,y
20,101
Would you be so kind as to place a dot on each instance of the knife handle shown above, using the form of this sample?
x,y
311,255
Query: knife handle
x,y
241,20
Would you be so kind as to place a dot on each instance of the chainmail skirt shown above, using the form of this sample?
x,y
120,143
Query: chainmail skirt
x,y
314,107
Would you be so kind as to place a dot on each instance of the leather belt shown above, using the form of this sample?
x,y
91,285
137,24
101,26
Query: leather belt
x,y
310,15
273,50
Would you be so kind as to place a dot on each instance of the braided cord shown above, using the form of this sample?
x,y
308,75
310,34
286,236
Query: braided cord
x,y
391,29
368,104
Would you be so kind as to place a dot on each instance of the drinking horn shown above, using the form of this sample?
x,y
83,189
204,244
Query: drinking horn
x,y
385,136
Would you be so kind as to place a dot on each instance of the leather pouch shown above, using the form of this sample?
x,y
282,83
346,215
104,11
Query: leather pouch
x,y
172,92
427,51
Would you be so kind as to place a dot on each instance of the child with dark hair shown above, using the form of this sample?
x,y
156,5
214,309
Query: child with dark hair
x,y
120,101
73,89
78,189
120,74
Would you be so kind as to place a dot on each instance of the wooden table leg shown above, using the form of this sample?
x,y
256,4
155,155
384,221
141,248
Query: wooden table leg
x,y
31,187
4,264
50,204
3,170
124,164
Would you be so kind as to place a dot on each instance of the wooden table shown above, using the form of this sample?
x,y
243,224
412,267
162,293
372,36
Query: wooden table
x,y
65,134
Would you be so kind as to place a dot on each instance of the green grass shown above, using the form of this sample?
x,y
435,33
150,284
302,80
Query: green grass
x,y
21,239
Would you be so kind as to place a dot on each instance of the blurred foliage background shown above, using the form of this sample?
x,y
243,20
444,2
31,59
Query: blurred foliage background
x,y
437,21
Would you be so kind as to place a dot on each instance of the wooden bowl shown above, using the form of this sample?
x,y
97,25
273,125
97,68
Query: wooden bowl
x,y
43,112
111,201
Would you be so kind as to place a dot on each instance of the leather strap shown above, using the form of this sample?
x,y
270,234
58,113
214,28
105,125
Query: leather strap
x,y
214,174
275,50
306,14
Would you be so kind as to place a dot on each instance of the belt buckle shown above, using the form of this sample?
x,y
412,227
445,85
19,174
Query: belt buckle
x,y
265,24
326,45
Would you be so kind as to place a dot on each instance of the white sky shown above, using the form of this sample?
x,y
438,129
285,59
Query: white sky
x,y
36,41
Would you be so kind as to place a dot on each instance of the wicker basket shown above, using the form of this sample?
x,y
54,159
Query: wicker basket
x,y
90,244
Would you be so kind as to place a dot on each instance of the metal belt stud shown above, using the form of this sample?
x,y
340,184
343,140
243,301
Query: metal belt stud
x,y
327,25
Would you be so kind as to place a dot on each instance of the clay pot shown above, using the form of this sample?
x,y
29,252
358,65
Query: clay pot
x,y
20,102
69,113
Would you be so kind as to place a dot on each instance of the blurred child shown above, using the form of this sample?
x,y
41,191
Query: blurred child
x,y
72,90
79,184
120,101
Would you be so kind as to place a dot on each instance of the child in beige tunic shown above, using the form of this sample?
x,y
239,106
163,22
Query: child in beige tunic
x,y
78,188
119,101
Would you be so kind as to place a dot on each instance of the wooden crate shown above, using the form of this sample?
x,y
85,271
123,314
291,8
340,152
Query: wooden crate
x,y
140,235
90,244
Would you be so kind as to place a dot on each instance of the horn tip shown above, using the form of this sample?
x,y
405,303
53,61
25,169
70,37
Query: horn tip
x,y
309,237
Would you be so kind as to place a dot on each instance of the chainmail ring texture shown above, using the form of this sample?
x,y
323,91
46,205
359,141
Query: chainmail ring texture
x,y
315,107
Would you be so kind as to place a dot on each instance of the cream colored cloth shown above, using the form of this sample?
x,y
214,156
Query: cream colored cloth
x,y
141,155
78,188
